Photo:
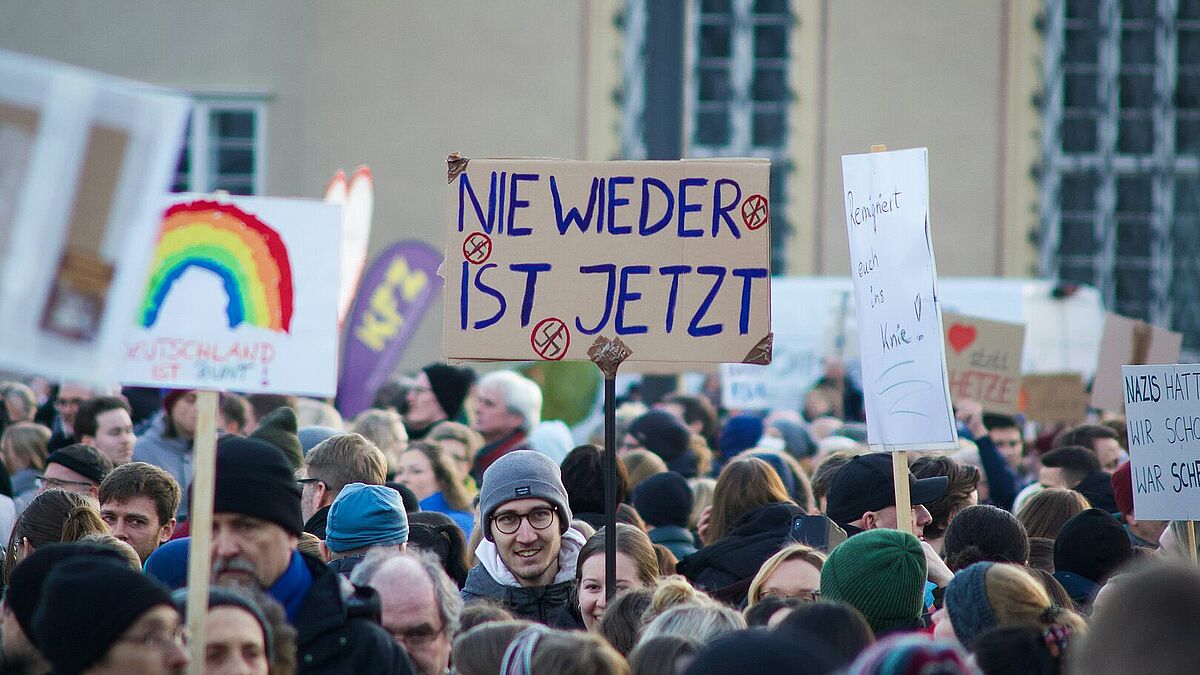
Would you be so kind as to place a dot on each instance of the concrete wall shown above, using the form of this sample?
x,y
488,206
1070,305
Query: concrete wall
x,y
955,77
395,85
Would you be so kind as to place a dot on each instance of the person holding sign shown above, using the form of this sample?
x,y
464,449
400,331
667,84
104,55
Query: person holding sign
x,y
256,526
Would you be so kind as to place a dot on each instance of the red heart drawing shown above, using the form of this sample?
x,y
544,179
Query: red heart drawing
x,y
961,336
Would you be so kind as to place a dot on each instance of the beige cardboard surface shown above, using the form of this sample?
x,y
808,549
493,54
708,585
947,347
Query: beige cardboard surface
x,y
545,256
1051,398
1129,342
983,360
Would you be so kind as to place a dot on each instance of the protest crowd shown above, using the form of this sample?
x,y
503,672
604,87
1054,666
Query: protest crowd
x,y
451,529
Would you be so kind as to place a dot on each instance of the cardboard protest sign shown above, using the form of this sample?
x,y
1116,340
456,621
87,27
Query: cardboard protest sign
x,y
84,159
394,295
241,295
1128,341
983,360
1162,412
546,256
356,196
1054,398
802,341
895,291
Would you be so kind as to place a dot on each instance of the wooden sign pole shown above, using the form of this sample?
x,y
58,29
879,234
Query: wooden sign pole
x,y
200,515
608,355
1191,530
899,463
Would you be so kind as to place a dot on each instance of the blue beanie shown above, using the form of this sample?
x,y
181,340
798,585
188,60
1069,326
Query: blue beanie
x,y
967,603
169,563
741,432
366,515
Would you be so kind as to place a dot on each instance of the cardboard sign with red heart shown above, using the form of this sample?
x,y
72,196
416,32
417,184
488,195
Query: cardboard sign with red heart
x,y
357,198
983,360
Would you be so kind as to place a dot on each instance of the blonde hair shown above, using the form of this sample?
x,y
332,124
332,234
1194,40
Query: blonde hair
x,y
126,551
385,429
803,552
745,484
1018,599
703,622
344,459
26,441
674,591
641,464
454,431
702,498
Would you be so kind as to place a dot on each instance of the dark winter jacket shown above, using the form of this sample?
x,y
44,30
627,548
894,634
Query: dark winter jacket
x,y
317,524
338,629
344,566
553,605
678,540
731,562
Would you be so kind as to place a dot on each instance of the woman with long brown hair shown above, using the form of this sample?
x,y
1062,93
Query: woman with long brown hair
x,y
637,567
428,471
750,518
53,516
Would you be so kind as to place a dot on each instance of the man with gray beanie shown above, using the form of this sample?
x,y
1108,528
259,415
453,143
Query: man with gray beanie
x,y
528,552
363,518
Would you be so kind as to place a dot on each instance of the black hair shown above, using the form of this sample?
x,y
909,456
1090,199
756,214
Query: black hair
x,y
1016,650
437,533
998,421
583,477
1075,461
759,614
984,532
840,626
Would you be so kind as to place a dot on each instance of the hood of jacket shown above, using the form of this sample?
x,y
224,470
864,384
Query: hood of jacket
x,y
738,555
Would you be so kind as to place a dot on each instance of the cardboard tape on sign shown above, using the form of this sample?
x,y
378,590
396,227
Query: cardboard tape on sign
x,y
760,354
455,165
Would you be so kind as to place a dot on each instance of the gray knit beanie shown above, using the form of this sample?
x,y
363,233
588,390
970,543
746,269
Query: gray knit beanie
x,y
522,474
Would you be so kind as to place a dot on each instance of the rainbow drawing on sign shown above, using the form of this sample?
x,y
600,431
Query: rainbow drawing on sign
x,y
249,257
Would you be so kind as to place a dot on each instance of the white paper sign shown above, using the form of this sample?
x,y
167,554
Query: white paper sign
x,y
241,296
1162,412
895,289
802,341
84,160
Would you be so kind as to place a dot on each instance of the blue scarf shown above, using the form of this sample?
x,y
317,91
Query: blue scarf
x,y
292,586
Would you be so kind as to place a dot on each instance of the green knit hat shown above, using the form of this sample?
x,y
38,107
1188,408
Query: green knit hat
x,y
881,573
279,429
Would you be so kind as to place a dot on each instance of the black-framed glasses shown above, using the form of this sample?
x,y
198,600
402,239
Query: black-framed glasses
x,y
539,519
803,596
60,484
307,481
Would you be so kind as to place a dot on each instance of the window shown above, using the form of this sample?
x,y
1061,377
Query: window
x,y
1121,171
738,96
225,147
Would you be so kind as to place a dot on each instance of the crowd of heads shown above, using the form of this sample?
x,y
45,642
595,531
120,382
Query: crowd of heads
x,y
452,528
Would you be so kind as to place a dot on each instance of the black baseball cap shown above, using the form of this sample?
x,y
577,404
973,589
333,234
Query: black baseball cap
x,y
865,484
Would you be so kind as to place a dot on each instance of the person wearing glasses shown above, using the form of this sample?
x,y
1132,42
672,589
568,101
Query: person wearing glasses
x,y
100,616
332,465
255,532
75,468
421,605
71,395
529,551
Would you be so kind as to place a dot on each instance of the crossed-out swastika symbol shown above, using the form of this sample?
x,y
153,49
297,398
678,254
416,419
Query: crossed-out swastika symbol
x,y
477,248
755,212
550,339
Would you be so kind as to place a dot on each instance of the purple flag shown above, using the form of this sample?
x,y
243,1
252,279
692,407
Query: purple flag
x,y
392,298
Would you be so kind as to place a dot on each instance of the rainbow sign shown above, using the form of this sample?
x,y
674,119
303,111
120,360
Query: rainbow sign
x,y
249,257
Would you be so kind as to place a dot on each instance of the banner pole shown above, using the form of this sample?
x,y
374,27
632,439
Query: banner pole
x,y
903,498
200,515
608,356
1191,530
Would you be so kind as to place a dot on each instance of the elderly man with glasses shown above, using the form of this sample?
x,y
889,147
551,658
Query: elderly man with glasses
x,y
528,553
